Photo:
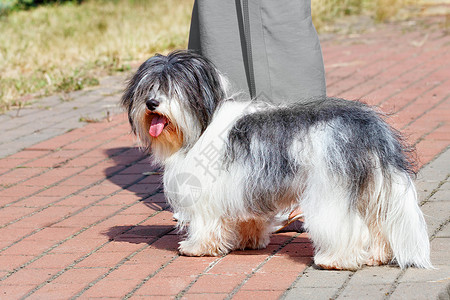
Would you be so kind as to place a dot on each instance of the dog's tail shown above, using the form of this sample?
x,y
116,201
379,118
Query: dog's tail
x,y
403,223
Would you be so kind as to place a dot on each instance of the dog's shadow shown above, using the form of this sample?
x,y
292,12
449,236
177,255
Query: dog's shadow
x,y
142,234
163,237
166,237
134,171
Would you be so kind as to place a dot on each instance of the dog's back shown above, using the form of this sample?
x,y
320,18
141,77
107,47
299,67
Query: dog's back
x,y
350,134
349,170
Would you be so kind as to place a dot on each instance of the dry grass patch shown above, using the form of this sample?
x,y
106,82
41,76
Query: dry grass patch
x,y
67,47
326,11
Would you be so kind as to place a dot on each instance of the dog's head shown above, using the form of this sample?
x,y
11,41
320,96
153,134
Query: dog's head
x,y
171,100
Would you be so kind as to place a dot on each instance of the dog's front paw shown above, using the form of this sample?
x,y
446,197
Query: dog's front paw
x,y
329,263
189,249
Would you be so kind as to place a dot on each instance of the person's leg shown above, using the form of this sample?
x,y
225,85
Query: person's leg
x,y
283,220
281,48
293,52
276,42
215,34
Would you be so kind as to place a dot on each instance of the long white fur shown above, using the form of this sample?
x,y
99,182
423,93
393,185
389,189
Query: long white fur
x,y
387,225
341,237
220,196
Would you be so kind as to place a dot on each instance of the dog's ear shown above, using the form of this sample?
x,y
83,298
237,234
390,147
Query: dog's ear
x,y
198,81
127,99
129,93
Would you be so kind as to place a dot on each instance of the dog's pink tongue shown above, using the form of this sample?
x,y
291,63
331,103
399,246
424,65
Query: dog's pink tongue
x,y
157,125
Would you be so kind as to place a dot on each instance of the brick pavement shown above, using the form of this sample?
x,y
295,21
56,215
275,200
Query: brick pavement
x,y
55,115
83,215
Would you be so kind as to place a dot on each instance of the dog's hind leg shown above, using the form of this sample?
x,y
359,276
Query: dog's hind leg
x,y
339,234
253,234
380,252
372,207
404,225
208,237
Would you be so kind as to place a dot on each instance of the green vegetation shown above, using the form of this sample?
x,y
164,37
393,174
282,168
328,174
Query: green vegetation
x,y
7,6
63,46
66,47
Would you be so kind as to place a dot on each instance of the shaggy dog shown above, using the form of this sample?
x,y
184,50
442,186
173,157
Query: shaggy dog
x,y
230,167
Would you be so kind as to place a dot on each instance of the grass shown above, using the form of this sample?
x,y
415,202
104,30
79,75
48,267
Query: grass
x,y
67,47
325,11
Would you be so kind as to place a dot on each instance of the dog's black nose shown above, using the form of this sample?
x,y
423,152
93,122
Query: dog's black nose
x,y
152,104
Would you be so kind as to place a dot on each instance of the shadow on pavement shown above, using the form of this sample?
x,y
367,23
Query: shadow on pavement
x,y
137,174
149,189
150,233
133,171
138,234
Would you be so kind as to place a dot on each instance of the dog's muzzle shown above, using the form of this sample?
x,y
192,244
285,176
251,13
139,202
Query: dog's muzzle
x,y
152,104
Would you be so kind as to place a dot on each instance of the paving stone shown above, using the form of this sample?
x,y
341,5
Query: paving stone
x,y
318,284
441,195
444,232
315,278
8,151
425,187
210,283
437,171
436,213
313,293
369,292
445,186
439,251
419,290
375,275
50,113
103,237
440,274
165,285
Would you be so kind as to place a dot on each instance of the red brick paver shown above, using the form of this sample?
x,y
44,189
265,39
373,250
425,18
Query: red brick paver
x,y
81,218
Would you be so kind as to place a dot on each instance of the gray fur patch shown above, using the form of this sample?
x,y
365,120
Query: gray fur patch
x,y
262,140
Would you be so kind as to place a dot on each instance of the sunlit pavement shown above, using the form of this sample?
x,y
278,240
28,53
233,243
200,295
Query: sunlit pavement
x,y
83,214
